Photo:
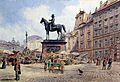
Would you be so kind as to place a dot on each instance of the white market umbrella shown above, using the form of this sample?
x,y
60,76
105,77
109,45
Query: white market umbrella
x,y
63,52
8,52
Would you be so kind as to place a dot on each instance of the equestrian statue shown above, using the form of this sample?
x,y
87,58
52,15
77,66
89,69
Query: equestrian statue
x,y
50,26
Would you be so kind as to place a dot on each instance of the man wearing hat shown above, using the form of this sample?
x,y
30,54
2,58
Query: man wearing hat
x,y
52,22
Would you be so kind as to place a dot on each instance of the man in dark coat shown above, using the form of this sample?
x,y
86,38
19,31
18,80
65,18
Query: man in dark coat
x,y
104,64
109,63
4,63
17,69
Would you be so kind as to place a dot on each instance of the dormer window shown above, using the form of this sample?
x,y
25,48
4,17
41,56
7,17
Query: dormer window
x,y
116,9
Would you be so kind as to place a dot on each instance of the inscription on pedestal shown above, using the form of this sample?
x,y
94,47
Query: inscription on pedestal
x,y
54,46
52,49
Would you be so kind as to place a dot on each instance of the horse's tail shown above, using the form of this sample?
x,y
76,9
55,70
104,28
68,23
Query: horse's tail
x,y
64,28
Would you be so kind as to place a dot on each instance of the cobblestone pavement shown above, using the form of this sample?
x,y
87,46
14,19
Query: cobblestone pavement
x,y
92,73
35,73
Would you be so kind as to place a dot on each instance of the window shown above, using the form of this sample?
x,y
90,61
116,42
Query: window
x,y
100,31
81,37
106,30
96,53
116,9
111,29
110,12
111,41
100,23
105,22
81,45
100,52
116,27
111,20
95,33
105,14
106,42
82,33
100,43
106,53
88,36
116,38
95,43
116,18
77,42
95,25
89,45
100,16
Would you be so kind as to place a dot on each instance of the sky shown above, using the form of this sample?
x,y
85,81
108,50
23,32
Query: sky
x,y
19,16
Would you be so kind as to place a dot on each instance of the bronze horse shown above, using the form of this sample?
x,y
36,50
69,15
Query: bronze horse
x,y
57,28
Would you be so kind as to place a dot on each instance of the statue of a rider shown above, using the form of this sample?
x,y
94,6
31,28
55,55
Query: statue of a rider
x,y
52,22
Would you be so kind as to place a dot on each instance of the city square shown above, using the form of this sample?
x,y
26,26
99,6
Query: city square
x,y
36,73
60,41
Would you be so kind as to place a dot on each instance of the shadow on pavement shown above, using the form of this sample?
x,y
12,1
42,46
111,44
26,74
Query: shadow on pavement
x,y
34,67
7,79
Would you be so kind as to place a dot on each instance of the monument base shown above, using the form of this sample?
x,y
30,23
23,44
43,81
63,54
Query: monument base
x,y
55,46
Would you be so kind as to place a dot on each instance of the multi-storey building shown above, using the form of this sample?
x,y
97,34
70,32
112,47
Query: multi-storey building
x,y
97,35
85,39
106,23
80,39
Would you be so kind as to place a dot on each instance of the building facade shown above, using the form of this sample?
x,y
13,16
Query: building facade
x,y
80,39
11,45
34,43
97,34
106,23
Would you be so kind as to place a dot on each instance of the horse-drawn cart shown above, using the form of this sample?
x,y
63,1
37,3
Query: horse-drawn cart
x,y
58,65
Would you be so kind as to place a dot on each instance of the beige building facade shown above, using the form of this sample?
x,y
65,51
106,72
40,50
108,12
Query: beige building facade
x,y
80,39
97,34
106,23
35,45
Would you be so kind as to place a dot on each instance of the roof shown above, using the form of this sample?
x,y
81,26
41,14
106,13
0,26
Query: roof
x,y
106,6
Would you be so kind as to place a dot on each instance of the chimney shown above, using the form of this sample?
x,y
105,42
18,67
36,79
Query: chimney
x,y
101,4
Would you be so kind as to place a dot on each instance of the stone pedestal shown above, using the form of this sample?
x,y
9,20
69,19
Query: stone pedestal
x,y
54,46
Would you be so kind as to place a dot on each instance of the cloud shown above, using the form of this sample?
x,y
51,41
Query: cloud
x,y
69,12
68,17
36,13
12,0
32,16
10,31
1,19
89,5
